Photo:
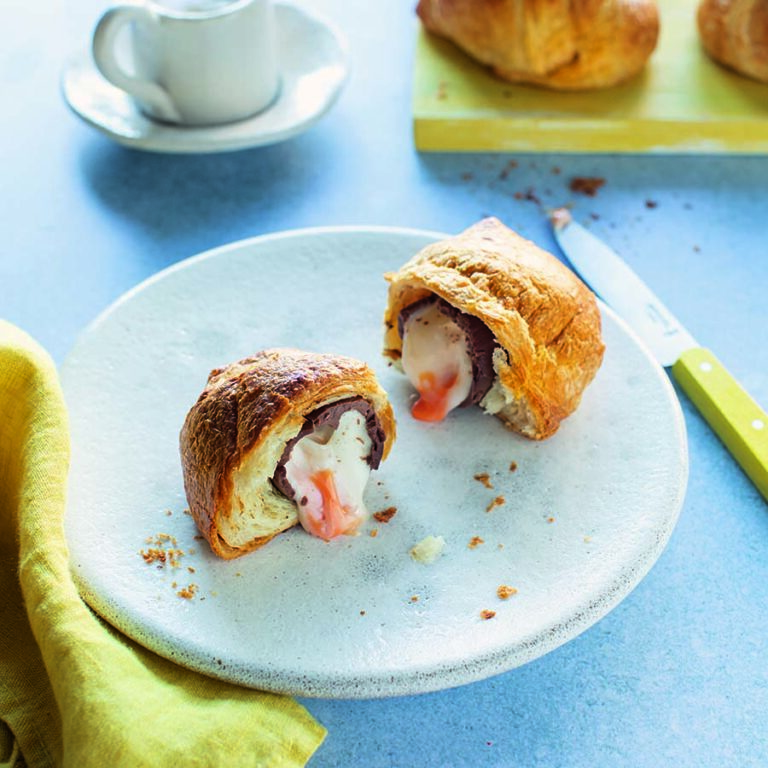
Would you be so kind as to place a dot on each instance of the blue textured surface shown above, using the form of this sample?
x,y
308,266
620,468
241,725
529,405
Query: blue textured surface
x,y
678,673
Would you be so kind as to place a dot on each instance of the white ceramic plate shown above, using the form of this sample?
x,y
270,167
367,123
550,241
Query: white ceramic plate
x,y
313,61
585,516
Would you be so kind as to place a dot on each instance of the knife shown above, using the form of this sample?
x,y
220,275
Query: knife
x,y
739,422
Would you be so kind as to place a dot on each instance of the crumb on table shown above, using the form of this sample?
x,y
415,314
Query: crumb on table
x,y
497,502
475,542
586,185
486,614
504,592
484,478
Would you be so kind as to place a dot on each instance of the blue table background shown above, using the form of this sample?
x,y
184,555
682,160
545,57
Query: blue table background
x,y
677,675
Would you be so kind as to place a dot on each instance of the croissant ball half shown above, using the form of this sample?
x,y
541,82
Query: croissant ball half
x,y
268,443
559,44
488,317
735,33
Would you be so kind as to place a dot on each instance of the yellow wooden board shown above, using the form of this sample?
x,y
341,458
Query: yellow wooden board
x,y
682,102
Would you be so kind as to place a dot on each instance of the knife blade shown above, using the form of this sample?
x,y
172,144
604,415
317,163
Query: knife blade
x,y
739,422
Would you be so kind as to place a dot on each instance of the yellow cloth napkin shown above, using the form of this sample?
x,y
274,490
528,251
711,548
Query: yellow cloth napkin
x,y
74,691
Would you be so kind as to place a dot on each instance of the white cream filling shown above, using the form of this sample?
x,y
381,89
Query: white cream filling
x,y
433,344
428,549
344,451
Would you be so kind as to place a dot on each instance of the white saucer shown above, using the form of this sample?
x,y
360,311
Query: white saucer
x,y
314,69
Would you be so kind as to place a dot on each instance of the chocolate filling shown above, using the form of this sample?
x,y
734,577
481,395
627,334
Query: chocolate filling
x,y
330,416
480,343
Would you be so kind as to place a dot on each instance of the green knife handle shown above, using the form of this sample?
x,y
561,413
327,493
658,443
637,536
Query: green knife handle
x,y
734,416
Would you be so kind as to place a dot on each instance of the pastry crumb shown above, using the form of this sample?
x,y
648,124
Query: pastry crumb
x,y
497,502
385,515
486,614
586,185
504,592
414,599
513,466
550,519
484,478
188,592
374,533
171,556
428,549
475,542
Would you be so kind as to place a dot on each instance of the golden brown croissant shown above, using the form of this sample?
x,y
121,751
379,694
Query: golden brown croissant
x,y
488,317
268,443
560,44
735,33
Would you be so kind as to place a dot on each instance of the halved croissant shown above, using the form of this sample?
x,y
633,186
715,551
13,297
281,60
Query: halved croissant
x,y
545,321
560,44
236,436
735,34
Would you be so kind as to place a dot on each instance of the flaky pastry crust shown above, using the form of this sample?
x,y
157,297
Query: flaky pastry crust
x,y
559,44
235,434
544,318
735,34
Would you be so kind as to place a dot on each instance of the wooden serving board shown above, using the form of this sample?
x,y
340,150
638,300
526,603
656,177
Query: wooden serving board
x,y
682,102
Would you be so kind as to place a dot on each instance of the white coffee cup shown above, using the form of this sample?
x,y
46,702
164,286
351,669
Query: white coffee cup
x,y
195,62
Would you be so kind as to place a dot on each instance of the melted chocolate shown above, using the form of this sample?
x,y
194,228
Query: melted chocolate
x,y
480,343
330,416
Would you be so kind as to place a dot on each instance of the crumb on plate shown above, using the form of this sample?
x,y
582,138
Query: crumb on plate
x,y
504,592
428,549
385,515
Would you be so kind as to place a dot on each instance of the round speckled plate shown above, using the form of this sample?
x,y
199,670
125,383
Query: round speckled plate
x,y
584,516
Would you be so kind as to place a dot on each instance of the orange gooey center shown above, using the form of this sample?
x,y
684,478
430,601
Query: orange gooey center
x,y
434,394
335,518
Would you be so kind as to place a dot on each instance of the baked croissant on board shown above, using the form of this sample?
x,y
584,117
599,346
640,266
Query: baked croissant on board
x,y
559,44
277,439
489,318
735,34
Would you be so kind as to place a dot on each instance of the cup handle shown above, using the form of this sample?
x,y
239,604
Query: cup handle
x,y
103,49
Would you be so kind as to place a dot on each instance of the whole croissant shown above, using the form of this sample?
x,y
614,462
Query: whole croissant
x,y
560,44
735,33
